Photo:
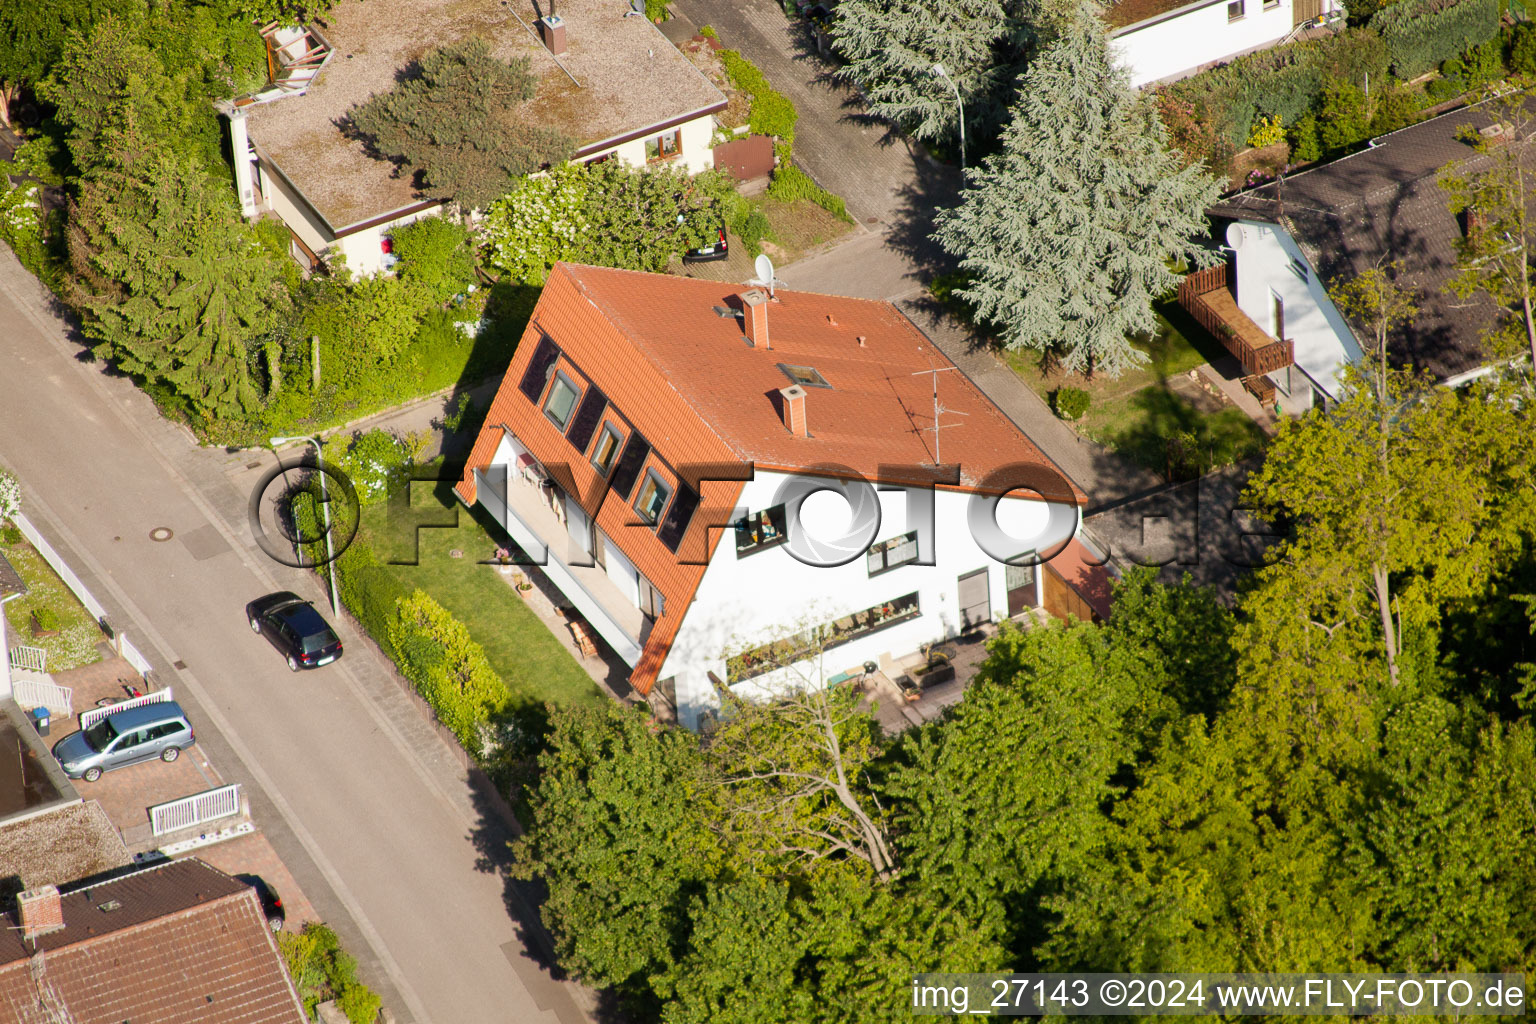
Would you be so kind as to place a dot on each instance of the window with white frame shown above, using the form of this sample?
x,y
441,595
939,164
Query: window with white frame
x,y
652,497
561,401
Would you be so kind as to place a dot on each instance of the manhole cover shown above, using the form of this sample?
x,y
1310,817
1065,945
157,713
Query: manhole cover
x,y
179,665
161,533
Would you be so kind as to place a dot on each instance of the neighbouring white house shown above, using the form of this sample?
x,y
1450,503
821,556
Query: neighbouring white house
x,y
1162,40
11,587
1287,242
704,468
607,78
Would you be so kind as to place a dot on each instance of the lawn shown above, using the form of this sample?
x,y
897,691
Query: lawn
x,y
798,227
1141,414
520,647
75,642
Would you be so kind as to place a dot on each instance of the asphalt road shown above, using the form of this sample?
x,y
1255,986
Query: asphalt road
x,y
373,813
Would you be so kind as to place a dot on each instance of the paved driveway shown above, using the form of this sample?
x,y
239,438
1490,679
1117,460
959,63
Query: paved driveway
x,y
370,810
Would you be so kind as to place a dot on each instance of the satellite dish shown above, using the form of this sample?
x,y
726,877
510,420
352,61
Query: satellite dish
x,y
1236,236
763,267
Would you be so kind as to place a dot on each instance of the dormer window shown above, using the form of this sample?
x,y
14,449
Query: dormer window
x,y
652,498
805,376
561,401
607,449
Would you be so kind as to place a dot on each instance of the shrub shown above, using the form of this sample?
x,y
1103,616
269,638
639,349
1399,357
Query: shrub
x,y
1522,53
754,227
10,495
462,410
1070,403
1266,131
772,112
1397,109
9,535
1284,82
322,970
656,10
47,619
1343,121
377,463
437,254
1477,67
449,669
708,32
360,1003
790,183
1419,34
1306,145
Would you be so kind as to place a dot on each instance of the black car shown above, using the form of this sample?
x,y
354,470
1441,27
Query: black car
x,y
271,903
295,629
719,249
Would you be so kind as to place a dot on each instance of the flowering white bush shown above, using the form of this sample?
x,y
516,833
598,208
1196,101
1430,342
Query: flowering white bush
x,y
536,225
10,495
376,462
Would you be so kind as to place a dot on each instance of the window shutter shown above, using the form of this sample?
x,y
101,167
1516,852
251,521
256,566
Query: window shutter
x,y
588,416
537,374
678,516
628,472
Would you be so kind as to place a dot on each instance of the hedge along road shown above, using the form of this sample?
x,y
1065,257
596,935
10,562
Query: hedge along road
x,y
371,812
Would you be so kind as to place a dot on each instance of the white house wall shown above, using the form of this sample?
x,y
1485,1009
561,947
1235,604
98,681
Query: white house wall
x,y
762,596
1183,41
283,200
694,150
1324,343
363,249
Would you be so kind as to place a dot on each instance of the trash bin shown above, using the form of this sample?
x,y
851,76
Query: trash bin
x,y
40,718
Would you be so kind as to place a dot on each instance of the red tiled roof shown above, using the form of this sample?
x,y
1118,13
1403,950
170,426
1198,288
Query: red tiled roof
x,y
185,944
682,374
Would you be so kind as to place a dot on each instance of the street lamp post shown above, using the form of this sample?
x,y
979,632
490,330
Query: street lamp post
x,y
325,508
938,69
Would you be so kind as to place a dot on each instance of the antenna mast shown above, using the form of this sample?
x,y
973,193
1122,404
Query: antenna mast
x,y
937,408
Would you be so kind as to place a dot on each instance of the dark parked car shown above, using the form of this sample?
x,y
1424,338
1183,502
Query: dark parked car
x,y
719,249
295,629
271,903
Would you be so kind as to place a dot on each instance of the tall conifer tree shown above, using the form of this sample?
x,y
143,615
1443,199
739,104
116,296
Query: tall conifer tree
x,y
1069,231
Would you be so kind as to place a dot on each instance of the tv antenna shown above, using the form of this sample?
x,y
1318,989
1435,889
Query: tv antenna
x,y
763,267
938,408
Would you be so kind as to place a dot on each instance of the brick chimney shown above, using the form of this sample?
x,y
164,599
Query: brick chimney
x,y
754,317
552,32
41,911
792,408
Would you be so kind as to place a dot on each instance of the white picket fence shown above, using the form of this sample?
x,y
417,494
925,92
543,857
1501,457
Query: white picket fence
x,y
196,809
33,658
41,693
129,652
91,716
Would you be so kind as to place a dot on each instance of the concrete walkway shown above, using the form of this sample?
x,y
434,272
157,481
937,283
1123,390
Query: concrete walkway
x,y
894,190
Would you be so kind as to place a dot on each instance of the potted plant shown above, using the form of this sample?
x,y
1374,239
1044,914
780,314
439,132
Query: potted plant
x,y
504,556
524,584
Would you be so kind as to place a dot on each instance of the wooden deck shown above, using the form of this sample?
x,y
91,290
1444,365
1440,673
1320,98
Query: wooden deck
x,y
1206,296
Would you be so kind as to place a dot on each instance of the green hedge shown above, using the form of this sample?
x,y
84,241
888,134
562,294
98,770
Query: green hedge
x,y
1286,81
791,183
1419,34
772,112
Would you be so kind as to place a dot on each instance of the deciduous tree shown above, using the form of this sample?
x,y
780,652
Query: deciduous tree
x,y
458,122
1069,232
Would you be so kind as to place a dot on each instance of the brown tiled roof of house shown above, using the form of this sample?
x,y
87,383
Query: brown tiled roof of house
x,y
181,943
680,373
630,78
1381,205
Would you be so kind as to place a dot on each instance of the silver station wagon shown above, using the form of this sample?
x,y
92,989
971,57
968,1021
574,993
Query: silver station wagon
x,y
128,737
